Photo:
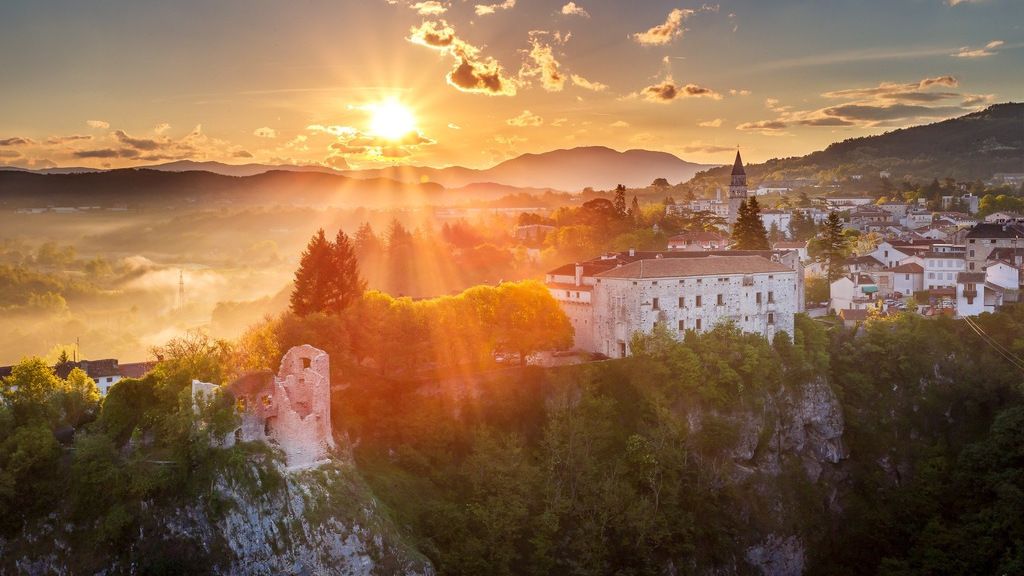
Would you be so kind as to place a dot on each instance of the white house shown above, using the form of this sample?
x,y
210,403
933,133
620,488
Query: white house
x,y
1002,274
852,292
973,296
698,241
941,268
888,254
907,278
778,218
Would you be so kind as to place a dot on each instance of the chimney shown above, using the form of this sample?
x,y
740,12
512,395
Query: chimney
x,y
632,252
579,274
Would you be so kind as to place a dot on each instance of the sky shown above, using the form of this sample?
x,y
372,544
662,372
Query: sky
x,y
369,83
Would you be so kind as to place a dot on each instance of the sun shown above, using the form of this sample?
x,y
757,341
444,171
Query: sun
x,y
391,119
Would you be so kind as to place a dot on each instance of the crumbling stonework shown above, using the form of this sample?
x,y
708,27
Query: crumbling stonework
x,y
291,409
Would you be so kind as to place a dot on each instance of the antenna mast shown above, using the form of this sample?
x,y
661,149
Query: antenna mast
x,y
181,289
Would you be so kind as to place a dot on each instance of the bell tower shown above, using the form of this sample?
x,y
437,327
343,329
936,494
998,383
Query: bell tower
x,y
737,188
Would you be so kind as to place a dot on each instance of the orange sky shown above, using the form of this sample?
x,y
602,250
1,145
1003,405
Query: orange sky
x,y
128,83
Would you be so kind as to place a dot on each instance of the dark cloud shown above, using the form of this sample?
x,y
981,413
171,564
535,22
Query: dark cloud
x,y
106,153
763,126
137,143
472,72
242,154
16,141
66,139
707,148
865,112
667,91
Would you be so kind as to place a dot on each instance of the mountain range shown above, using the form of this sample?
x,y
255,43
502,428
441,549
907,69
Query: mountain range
x,y
568,170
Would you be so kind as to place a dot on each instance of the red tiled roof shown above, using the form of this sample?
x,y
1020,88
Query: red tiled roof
x,y
707,266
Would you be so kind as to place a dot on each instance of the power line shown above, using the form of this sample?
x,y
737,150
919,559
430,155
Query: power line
x,y
1009,356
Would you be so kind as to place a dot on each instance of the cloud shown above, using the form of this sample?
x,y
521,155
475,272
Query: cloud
x,y
106,153
137,143
98,124
958,2
241,154
65,139
485,9
472,73
988,50
162,128
16,141
454,126
735,92
886,105
542,64
525,118
558,121
332,130
703,148
619,124
666,32
10,154
265,132
710,123
429,8
763,126
977,99
582,82
572,9
667,90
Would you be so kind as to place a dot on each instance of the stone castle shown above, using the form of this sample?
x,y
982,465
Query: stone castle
x,y
290,409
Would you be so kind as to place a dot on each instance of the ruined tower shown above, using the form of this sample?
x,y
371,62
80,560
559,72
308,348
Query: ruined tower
x,y
737,189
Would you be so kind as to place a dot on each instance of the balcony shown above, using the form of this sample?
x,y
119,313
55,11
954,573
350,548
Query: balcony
x,y
970,293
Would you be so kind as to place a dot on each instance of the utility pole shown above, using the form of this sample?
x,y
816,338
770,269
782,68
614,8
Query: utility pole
x,y
181,289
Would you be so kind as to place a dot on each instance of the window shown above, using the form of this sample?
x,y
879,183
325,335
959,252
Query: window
x,y
654,304
931,275
758,298
682,302
771,318
682,325
697,301
771,297
906,276
972,253
721,300
697,324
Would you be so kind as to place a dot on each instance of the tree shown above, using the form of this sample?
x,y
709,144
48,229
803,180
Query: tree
x,y
620,200
528,319
31,390
314,278
748,232
832,246
634,211
80,399
660,183
347,285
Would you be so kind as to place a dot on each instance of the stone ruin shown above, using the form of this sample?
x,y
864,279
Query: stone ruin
x,y
290,409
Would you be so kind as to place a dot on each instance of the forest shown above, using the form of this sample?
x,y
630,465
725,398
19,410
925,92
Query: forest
x,y
624,466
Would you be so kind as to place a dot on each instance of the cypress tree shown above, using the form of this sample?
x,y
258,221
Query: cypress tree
x,y
748,232
313,279
347,284
833,246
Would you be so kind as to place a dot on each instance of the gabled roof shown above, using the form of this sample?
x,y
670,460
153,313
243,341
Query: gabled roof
x,y
707,266
908,268
988,230
737,166
699,236
853,315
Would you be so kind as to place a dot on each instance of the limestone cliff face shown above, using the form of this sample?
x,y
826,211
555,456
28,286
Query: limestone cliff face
x,y
785,464
259,518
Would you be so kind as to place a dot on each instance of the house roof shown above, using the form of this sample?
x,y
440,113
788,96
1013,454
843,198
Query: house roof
x,y
94,368
866,259
707,266
908,268
790,245
988,230
135,369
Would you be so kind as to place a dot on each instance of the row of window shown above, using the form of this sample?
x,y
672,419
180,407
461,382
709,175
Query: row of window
x,y
697,324
719,300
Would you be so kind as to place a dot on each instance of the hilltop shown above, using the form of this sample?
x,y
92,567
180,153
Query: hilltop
x,y
970,147
570,170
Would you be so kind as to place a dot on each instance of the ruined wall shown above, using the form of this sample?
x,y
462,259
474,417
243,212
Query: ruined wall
x,y
301,423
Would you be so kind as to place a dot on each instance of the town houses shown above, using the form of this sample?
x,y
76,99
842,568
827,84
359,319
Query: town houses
x,y
947,260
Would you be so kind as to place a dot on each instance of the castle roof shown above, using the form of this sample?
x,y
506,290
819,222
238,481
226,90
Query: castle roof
x,y
707,266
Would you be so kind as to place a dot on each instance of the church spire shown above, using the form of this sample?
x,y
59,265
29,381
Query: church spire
x,y
737,166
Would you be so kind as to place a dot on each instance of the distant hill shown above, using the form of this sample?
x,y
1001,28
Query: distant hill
x,y
152,187
970,147
234,169
570,170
